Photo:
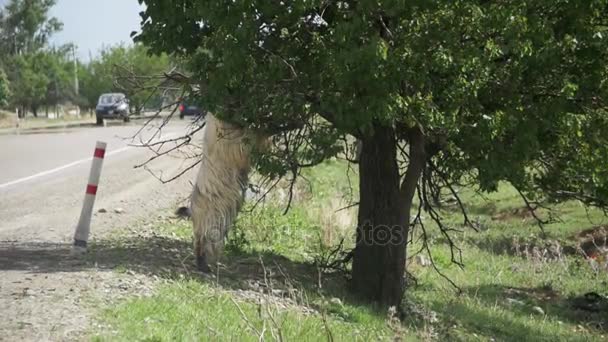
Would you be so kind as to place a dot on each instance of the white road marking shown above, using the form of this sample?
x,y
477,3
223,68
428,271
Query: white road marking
x,y
66,166
57,169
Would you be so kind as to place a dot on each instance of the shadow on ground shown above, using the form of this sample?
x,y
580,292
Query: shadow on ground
x,y
170,258
521,301
588,243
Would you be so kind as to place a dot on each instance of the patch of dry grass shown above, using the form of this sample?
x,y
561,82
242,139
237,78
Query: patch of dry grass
x,y
9,120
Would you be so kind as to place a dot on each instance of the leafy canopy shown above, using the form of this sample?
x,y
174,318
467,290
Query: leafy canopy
x,y
43,78
25,26
30,82
127,69
503,90
37,76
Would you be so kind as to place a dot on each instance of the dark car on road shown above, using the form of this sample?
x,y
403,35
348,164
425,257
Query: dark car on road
x,y
112,106
188,109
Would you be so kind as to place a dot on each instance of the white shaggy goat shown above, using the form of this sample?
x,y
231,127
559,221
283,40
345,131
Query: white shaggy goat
x,y
220,186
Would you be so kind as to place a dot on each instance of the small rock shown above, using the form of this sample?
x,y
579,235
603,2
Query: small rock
x,y
515,268
278,292
512,301
336,301
432,317
538,310
102,210
422,260
451,200
119,210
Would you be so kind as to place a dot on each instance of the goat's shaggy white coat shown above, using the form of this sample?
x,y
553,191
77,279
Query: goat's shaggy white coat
x,y
220,186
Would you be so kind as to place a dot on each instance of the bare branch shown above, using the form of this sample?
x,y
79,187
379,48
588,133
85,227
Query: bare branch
x,y
181,173
446,182
246,320
291,67
263,197
532,207
428,250
348,207
442,228
294,178
335,259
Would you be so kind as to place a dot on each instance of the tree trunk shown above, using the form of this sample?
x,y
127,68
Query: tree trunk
x,y
35,111
384,214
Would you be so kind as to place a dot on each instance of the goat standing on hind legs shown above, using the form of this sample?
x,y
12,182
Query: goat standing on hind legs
x,y
220,186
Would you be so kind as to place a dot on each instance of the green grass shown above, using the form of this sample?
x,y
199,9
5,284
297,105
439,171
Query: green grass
x,y
502,289
495,274
192,311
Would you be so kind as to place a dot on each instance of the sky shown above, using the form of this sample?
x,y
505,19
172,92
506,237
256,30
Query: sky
x,y
92,24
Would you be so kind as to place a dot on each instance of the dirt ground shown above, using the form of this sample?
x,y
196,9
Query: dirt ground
x,y
48,295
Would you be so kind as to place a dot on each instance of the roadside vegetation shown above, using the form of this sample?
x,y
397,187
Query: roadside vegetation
x,y
515,285
10,120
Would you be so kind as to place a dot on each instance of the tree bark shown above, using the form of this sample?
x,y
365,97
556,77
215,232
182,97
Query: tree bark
x,y
384,214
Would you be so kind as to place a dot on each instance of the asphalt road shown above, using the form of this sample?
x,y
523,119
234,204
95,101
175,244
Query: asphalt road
x,y
43,175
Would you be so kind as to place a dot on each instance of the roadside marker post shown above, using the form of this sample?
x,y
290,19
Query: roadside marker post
x,y
83,229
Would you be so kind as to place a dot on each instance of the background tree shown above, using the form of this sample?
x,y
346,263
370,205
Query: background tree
x,y
29,82
136,72
95,78
59,69
89,85
5,92
128,69
42,76
437,91
25,26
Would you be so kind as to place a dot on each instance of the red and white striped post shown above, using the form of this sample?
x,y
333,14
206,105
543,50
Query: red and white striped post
x,y
84,223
